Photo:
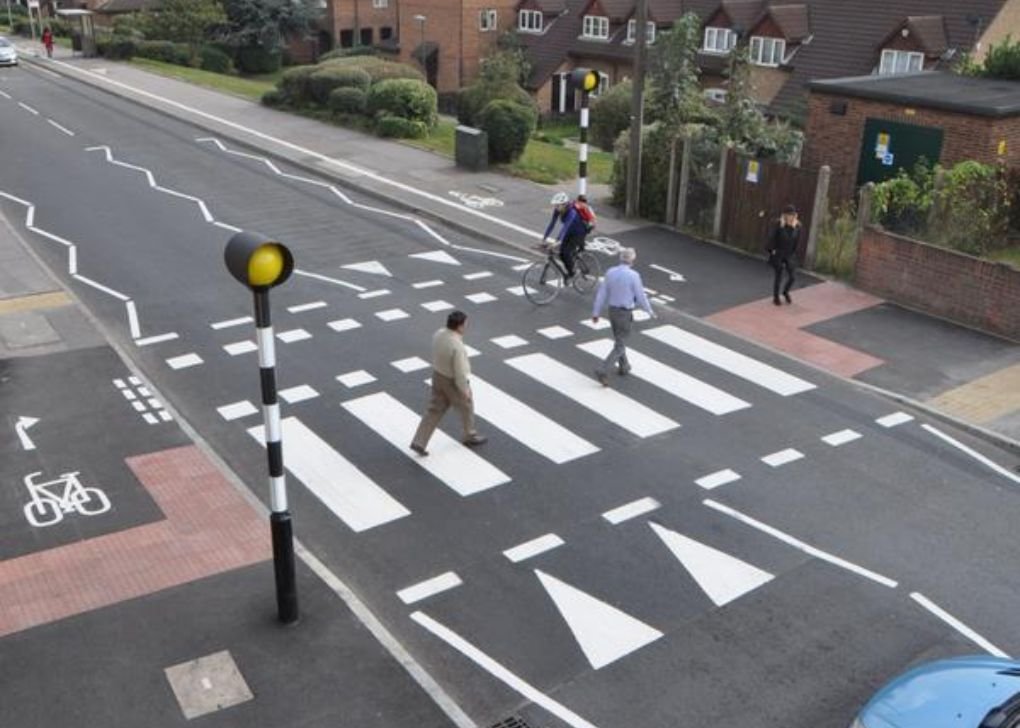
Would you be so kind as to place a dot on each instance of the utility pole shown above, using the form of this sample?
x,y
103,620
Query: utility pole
x,y
637,111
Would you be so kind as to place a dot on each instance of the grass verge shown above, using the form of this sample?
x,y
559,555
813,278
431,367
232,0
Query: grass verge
x,y
250,88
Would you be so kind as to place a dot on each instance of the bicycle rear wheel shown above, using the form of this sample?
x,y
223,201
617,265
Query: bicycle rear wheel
x,y
586,272
542,282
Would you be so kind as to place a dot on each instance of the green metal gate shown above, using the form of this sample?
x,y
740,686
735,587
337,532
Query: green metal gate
x,y
890,146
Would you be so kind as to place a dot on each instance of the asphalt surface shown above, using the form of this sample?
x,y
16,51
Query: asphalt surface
x,y
684,614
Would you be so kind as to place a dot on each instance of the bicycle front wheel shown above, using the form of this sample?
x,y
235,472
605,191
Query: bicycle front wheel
x,y
586,272
542,282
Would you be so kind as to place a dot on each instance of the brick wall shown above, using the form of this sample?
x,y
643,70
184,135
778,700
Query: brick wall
x,y
1007,22
941,282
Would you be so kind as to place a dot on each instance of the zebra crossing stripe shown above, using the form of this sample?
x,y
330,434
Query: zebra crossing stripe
x,y
350,494
460,469
528,426
729,360
607,403
673,381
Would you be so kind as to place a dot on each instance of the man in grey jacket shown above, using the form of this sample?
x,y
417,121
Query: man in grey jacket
x,y
450,385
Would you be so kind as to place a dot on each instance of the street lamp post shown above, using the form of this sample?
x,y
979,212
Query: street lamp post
x,y
259,264
421,41
586,81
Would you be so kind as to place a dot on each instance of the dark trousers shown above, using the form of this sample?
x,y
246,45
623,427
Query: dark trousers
x,y
571,245
778,264
621,321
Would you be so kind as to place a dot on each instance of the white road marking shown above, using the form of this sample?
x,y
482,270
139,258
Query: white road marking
x,y
225,226
601,324
471,351
237,410
341,325
603,632
340,485
156,339
458,467
631,510
240,347
509,342
144,392
133,325
232,322
673,275
184,361
720,477
973,453
436,256
135,381
436,306
371,266
673,381
374,294
516,290
28,108
60,128
619,409
289,337
555,332
154,403
100,287
392,314
800,545
721,576
165,416
410,364
21,428
150,418
729,360
429,587
782,457
480,297
501,673
534,547
301,308
327,279
528,426
300,393
841,438
477,276
5,95
355,379
896,418
138,406
119,383
427,284
957,625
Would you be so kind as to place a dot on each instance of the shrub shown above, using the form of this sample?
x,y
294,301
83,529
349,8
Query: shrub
x,y
256,59
837,242
215,60
378,69
655,145
117,49
610,114
294,84
404,97
400,128
274,98
129,25
165,51
478,95
349,53
348,100
509,126
971,208
322,82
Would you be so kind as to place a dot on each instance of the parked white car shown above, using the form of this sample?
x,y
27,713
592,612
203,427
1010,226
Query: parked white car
x,y
8,53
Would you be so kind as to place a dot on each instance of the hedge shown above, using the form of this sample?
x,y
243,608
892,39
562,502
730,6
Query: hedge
x,y
274,98
348,100
117,49
395,126
509,126
610,114
256,59
404,97
164,50
294,84
215,60
322,82
377,68
478,95
349,53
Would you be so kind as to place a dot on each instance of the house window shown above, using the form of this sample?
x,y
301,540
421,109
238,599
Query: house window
x,y
595,26
603,84
385,32
900,62
366,36
719,40
487,20
380,4
650,31
346,38
529,21
767,51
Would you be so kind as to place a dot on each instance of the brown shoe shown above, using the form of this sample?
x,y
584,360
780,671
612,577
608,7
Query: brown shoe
x,y
475,440
601,376
419,449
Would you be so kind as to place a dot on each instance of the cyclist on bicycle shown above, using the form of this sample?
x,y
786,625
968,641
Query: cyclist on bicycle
x,y
574,227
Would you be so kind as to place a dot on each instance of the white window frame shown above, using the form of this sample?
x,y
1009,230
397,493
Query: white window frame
x,y
529,21
719,40
631,35
767,51
488,20
595,27
603,84
894,62
380,4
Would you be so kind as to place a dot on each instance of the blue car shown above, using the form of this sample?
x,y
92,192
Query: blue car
x,y
965,692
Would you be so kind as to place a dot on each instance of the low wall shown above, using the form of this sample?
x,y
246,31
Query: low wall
x,y
941,282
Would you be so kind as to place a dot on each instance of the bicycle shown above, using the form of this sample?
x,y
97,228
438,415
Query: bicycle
x,y
544,279
48,505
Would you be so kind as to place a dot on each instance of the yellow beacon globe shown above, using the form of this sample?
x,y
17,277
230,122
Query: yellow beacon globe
x,y
590,81
265,265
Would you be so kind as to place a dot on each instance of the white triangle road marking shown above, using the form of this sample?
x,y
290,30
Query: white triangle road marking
x,y
722,577
369,266
437,256
604,633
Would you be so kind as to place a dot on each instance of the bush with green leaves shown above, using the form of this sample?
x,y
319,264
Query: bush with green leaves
x,y
837,242
508,125
655,144
165,51
116,48
349,53
378,69
404,97
322,82
274,98
478,95
128,25
1003,60
348,100
257,59
610,114
294,84
215,60
971,208
400,128
902,204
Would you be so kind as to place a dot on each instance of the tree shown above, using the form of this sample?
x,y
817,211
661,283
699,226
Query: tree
x,y
264,24
675,97
184,21
1003,60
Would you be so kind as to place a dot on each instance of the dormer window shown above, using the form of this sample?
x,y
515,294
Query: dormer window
x,y
649,31
767,51
595,26
530,21
900,62
719,40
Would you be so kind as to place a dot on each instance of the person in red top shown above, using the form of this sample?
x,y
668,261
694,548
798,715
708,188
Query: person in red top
x,y
47,40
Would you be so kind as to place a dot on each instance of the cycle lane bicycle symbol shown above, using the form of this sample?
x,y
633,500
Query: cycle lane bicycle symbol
x,y
53,499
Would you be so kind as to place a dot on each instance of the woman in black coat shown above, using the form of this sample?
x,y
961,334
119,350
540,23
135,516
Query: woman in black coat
x,y
782,249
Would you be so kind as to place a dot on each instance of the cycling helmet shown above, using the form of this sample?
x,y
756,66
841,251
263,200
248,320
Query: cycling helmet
x,y
560,198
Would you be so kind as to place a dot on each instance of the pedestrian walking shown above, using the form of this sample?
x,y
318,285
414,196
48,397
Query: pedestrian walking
x,y
451,385
621,289
573,227
47,41
782,250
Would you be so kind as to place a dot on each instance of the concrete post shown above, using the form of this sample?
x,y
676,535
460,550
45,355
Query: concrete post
x,y
671,185
685,183
818,214
864,205
724,156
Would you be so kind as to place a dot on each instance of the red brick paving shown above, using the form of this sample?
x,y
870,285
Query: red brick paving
x,y
209,528
780,327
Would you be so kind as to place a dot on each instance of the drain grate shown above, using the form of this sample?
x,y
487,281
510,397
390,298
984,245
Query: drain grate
x,y
512,722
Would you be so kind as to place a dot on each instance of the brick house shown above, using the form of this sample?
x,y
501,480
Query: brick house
x,y
867,128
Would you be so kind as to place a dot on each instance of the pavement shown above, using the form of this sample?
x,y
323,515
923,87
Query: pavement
x,y
146,578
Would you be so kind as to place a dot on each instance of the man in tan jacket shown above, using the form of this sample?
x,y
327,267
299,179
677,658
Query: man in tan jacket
x,y
450,385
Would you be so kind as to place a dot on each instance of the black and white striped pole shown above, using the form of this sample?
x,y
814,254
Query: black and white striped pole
x,y
585,80
260,264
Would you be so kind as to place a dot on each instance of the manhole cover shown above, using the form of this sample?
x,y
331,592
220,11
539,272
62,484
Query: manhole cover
x,y
512,722
208,684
